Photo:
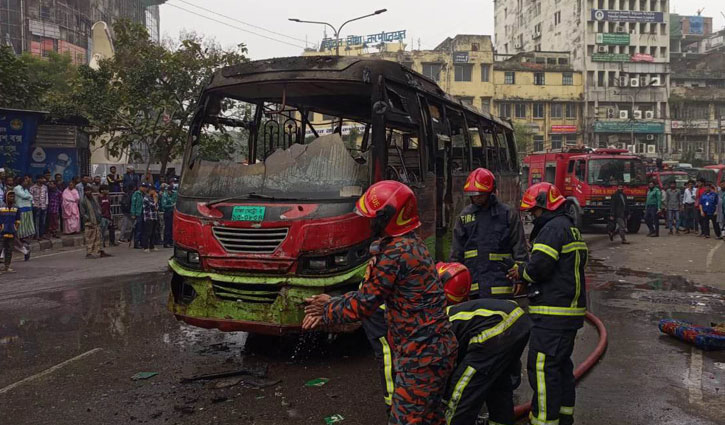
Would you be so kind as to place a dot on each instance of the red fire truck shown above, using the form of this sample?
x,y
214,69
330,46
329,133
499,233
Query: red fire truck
x,y
589,178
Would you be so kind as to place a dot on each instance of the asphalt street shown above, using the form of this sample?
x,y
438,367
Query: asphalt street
x,y
73,333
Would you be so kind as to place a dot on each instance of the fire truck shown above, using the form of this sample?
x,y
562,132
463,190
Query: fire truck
x,y
589,178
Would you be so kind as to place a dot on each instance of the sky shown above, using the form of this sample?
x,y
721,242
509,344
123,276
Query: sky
x,y
265,29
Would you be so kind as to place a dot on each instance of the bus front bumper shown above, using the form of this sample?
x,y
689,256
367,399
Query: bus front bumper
x,y
272,305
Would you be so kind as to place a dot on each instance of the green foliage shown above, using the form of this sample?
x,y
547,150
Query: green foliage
x,y
524,139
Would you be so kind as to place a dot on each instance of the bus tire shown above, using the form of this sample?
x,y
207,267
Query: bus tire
x,y
634,223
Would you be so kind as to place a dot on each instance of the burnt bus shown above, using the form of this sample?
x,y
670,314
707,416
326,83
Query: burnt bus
x,y
268,222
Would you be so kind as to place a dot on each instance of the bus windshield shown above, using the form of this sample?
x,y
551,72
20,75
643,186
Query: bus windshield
x,y
612,171
325,167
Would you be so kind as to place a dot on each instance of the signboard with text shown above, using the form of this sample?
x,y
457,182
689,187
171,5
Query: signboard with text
x,y
460,57
642,57
564,129
627,15
613,39
359,40
610,57
629,127
17,133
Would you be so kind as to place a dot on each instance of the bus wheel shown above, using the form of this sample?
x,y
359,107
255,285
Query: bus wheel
x,y
574,212
634,223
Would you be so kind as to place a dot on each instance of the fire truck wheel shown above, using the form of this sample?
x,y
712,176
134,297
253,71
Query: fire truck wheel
x,y
634,223
573,211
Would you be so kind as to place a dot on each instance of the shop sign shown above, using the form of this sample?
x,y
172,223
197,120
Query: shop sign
x,y
613,39
642,57
629,127
627,15
610,57
563,129
460,57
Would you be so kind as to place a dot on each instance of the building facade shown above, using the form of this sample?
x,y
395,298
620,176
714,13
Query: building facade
x,y
621,47
64,26
542,92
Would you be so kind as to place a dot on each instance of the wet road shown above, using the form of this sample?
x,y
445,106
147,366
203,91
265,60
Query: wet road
x,y
113,316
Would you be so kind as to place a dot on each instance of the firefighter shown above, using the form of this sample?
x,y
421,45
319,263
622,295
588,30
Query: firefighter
x,y
491,335
557,307
487,237
401,274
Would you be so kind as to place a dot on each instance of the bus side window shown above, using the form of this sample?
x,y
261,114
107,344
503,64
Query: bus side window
x,y
512,151
492,159
404,157
525,176
580,170
478,160
503,152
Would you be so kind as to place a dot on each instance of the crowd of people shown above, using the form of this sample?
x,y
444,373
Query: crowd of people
x,y
44,206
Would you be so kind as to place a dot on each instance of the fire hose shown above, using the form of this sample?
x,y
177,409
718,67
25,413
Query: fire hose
x,y
585,366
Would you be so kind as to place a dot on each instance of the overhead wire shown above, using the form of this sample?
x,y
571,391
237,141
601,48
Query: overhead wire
x,y
234,26
242,22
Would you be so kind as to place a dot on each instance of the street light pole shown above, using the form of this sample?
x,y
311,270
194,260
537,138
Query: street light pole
x,y
337,30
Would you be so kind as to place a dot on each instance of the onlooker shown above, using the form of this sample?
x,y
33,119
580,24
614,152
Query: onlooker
x,y
24,201
40,206
96,184
3,189
708,211
721,210
137,215
91,212
55,199
168,201
652,206
618,214
9,222
127,223
81,184
59,184
70,208
673,204
114,180
130,179
108,229
688,202
700,186
150,218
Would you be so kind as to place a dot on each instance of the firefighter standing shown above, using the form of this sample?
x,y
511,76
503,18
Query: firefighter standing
x,y
401,274
487,236
558,303
491,334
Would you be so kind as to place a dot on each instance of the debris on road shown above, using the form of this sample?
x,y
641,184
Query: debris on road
x,y
251,382
334,419
256,372
317,382
143,375
701,337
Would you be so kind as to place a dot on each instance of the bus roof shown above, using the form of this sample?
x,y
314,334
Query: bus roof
x,y
344,70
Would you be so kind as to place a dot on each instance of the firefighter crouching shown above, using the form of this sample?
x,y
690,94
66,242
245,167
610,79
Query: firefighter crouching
x,y
491,335
556,274
487,236
401,274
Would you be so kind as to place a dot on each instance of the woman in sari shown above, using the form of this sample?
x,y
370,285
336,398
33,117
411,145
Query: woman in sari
x,y
71,213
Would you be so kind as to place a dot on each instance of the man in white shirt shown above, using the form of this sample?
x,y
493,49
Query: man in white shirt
x,y
688,201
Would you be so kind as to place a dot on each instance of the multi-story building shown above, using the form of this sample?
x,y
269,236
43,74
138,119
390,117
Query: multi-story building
x,y
622,49
542,92
64,26
688,32
697,104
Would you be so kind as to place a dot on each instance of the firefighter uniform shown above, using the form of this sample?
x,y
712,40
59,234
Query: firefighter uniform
x,y
376,330
491,334
556,271
401,274
488,240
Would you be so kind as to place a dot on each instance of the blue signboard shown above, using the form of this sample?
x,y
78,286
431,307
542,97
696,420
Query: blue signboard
x,y
17,133
63,161
626,15
697,24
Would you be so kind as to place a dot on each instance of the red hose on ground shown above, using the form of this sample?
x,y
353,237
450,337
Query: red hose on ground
x,y
583,368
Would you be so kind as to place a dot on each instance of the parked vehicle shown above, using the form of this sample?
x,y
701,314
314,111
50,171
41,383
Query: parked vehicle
x,y
719,172
664,178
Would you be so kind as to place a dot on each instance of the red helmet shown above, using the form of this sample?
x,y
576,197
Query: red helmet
x,y
456,281
543,195
394,200
480,181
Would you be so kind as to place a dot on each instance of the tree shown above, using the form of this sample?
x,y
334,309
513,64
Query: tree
x,y
144,98
524,138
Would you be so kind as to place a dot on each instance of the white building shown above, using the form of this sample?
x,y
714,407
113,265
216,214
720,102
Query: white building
x,y
622,47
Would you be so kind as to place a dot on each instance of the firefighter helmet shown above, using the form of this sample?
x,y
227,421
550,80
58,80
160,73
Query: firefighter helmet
x,y
456,281
392,202
543,195
479,181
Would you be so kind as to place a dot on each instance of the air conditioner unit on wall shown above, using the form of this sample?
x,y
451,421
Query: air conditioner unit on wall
x,y
650,137
637,115
623,81
651,149
634,82
623,115
602,49
649,115
621,29
655,82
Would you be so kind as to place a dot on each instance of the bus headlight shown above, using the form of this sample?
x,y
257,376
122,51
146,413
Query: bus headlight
x,y
186,256
193,257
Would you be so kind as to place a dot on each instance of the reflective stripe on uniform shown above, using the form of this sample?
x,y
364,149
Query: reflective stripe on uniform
x,y
458,392
498,257
468,315
535,421
546,249
490,422
527,277
499,290
387,371
474,287
557,311
540,386
564,410
577,280
471,254
498,329
574,246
